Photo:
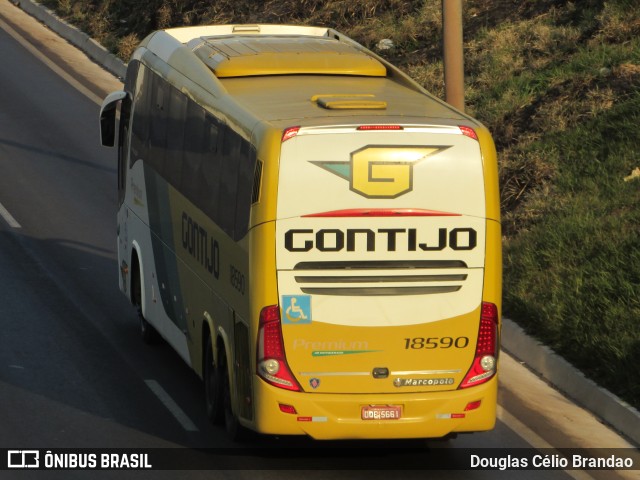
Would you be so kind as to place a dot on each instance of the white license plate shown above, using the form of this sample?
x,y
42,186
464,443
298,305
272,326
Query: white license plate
x,y
381,412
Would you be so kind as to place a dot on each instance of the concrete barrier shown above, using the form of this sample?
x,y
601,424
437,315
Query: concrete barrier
x,y
570,381
93,49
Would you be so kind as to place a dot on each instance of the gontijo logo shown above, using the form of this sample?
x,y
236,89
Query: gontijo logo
x,y
381,172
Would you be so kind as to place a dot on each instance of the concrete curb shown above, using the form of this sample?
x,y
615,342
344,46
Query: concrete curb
x,y
93,49
570,381
539,358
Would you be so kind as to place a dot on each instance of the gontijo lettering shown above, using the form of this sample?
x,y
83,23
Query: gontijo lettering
x,y
385,239
201,245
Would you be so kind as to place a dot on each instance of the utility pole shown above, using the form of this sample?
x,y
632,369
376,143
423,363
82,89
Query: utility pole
x,y
453,58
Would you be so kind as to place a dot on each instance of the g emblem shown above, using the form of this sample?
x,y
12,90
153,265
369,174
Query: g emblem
x,y
381,172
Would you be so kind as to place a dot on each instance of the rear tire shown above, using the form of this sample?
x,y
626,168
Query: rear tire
x,y
235,431
212,386
150,335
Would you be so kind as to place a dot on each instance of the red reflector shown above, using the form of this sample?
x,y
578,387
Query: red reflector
x,y
383,212
468,132
472,405
287,409
289,133
379,127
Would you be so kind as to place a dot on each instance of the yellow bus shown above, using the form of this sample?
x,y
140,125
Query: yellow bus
x,y
316,235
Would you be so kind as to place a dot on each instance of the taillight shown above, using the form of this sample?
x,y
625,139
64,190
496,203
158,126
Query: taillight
x,y
271,361
485,358
369,128
289,133
468,132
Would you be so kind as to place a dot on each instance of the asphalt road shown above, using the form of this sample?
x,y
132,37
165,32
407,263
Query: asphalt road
x,y
73,370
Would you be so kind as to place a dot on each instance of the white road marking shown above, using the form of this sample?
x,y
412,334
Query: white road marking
x,y
535,440
171,405
4,213
59,71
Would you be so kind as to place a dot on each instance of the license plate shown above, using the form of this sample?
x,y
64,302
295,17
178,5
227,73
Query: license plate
x,y
381,412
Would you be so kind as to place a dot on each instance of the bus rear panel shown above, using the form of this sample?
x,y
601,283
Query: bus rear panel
x,y
381,240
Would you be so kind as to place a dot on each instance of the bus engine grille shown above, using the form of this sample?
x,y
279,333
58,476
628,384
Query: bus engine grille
x,y
369,278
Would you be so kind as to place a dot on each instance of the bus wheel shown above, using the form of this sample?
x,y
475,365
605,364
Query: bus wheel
x,y
149,334
212,387
235,431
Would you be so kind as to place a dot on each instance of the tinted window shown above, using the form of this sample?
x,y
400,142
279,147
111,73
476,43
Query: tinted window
x,y
211,165
175,137
158,123
140,132
193,148
210,181
229,163
244,196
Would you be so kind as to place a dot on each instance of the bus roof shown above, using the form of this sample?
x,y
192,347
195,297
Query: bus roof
x,y
245,55
283,73
327,99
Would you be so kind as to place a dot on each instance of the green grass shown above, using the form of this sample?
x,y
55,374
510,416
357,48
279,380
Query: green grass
x,y
558,84
572,277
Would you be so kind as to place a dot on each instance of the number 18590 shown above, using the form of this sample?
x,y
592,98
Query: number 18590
x,y
430,343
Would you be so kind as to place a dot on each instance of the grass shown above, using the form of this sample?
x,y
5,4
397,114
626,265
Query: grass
x,y
573,275
558,84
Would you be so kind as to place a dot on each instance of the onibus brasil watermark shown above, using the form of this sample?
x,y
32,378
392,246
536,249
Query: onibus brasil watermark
x,y
48,460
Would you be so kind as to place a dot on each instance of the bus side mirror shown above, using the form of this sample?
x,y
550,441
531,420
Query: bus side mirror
x,y
108,117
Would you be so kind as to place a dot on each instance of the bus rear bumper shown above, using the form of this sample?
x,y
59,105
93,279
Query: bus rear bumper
x,y
339,416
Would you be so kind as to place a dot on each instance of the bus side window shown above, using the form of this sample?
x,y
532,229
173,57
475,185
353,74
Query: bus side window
x,y
229,165
123,146
210,181
124,136
175,137
193,151
246,188
140,128
158,124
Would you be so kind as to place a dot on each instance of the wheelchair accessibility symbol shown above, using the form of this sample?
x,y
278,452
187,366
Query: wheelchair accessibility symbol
x,y
296,308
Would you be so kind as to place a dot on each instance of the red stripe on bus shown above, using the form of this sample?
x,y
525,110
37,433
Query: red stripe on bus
x,y
383,212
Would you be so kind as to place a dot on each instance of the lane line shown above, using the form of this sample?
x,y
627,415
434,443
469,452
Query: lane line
x,y
171,405
44,59
535,440
4,213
